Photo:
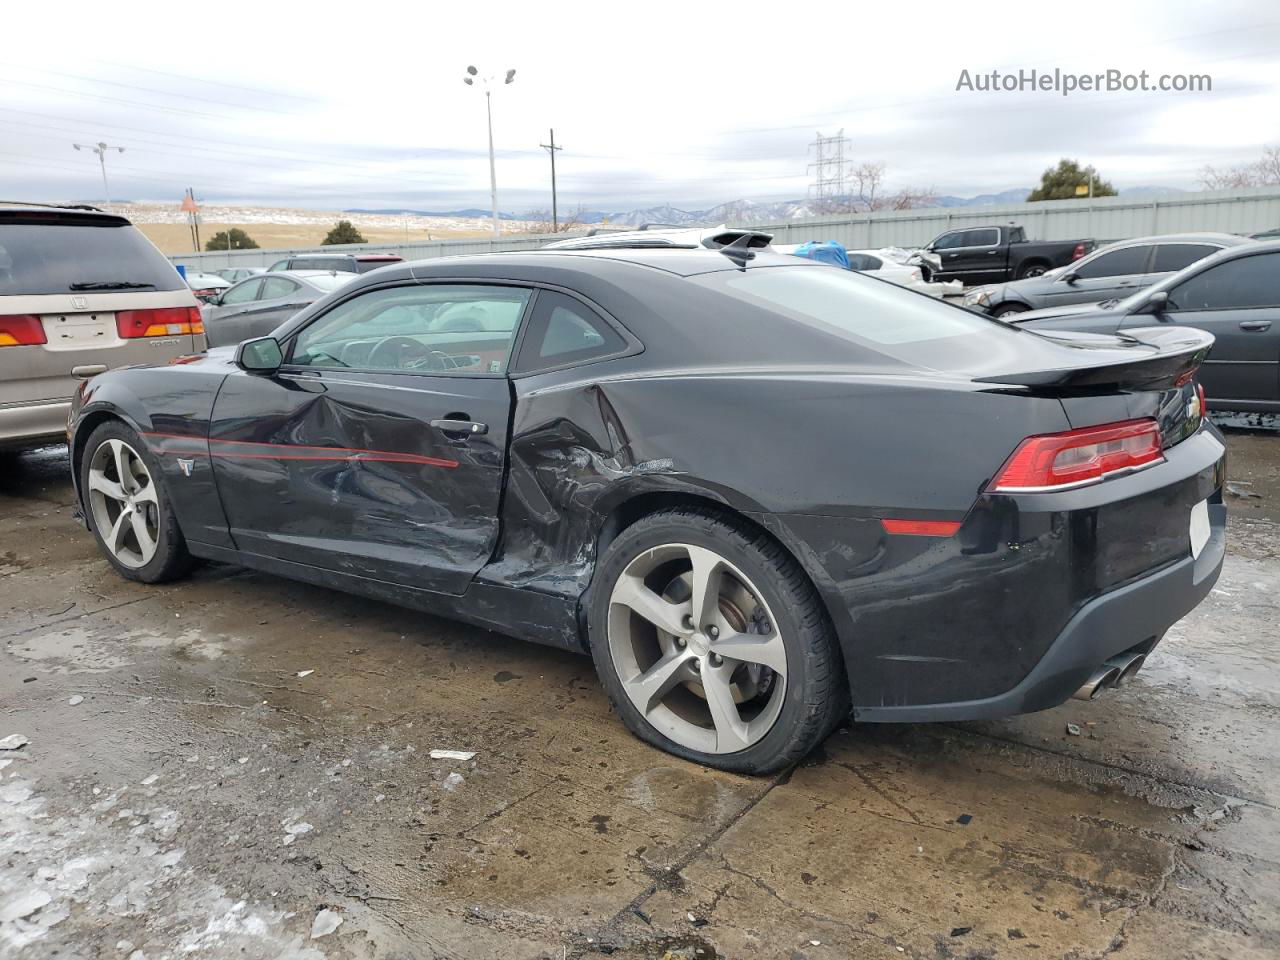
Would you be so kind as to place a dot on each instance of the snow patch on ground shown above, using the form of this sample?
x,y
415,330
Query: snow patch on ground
x,y
123,867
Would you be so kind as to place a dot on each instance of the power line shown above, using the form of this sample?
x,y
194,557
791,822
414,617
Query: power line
x,y
216,83
163,93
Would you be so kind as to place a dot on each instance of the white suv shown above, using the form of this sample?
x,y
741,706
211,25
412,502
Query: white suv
x,y
81,291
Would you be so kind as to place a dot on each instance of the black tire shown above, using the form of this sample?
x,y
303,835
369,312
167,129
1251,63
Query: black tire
x,y
172,560
1008,310
1032,270
816,697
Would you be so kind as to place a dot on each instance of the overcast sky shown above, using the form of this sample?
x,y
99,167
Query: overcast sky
x,y
350,105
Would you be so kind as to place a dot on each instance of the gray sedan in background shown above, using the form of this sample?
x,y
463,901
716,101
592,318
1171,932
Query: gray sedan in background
x,y
256,306
1115,271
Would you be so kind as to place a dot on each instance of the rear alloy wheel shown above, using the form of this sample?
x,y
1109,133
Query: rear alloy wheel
x,y
127,507
712,643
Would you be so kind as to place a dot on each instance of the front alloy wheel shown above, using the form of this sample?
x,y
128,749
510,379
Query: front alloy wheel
x,y
125,506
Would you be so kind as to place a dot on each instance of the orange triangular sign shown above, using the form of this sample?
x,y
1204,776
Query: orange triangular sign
x,y
189,204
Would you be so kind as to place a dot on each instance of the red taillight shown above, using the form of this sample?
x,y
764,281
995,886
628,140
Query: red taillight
x,y
1079,456
1078,252
21,330
920,528
160,322
1204,403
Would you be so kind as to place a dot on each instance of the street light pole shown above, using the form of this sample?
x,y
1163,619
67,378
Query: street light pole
x,y
100,149
469,80
493,170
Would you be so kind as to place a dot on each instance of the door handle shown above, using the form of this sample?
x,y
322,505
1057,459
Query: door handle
x,y
85,371
1259,325
469,427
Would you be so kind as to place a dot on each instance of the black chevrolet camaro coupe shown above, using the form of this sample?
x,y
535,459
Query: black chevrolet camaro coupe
x,y
761,492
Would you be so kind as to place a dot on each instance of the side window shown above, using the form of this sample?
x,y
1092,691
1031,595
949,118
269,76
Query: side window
x,y
563,331
458,329
275,287
986,237
243,292
863,261
1117,263
949,241
1237,284
1172,257
871,263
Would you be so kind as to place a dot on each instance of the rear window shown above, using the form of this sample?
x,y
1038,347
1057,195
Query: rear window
x,y
364,266
324,263
852,306
79,255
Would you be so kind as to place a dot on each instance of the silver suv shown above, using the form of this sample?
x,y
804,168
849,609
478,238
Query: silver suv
x,y
81,291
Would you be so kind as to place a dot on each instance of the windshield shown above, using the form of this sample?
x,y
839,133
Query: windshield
x,y
51,257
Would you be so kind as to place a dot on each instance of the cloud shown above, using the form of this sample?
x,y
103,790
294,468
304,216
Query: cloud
x,y
681,104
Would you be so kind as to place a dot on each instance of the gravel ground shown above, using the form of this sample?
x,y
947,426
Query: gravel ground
x,y
239,766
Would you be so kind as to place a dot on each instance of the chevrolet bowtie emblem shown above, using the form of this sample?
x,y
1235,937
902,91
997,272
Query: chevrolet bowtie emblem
x,y
185,466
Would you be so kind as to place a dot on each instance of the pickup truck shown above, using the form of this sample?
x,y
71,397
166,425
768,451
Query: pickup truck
x,y
997,254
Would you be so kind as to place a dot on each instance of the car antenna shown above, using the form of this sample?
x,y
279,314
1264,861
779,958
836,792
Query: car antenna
x,y
739,251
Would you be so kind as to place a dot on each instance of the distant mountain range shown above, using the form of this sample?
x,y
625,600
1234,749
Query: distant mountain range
x,y
739,211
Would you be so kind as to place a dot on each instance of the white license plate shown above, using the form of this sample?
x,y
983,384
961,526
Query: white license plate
x,y
1199,527
79,331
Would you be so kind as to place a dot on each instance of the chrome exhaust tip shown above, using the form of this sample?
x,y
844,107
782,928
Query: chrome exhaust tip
x,y
1101,678
1128,664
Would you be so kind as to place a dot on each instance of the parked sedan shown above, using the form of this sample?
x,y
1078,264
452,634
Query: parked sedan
x,y
1234,294
1113,272
255,307
236,274
758,491
206,286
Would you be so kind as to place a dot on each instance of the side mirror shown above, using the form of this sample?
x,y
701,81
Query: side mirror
x,y
1070,277
262,355
1155,304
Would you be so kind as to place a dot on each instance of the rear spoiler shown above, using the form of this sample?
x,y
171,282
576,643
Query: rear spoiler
x,y
1146,357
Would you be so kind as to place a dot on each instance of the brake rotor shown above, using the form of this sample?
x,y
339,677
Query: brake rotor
x,y
742,612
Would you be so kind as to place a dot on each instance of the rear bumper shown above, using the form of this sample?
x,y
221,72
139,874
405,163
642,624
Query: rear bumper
x,y
26,424
1137,613
1034,591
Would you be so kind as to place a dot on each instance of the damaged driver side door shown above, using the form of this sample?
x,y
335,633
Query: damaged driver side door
x,y
377,449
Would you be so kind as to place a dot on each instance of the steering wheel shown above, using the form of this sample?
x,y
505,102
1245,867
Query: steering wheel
x,y
399,353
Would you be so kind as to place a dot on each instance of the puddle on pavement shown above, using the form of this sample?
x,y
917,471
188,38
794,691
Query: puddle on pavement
x,y
79,649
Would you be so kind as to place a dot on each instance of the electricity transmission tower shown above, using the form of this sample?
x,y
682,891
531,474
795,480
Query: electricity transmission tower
x,y
829,171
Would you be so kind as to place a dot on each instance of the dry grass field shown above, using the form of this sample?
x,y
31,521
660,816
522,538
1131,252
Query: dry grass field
x,y
281,227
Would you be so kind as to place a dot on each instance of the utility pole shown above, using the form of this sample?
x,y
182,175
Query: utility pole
x,y
195,219
101,150
551,148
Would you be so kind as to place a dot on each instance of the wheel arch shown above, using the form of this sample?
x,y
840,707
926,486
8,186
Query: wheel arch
x,y
630,509
87,421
